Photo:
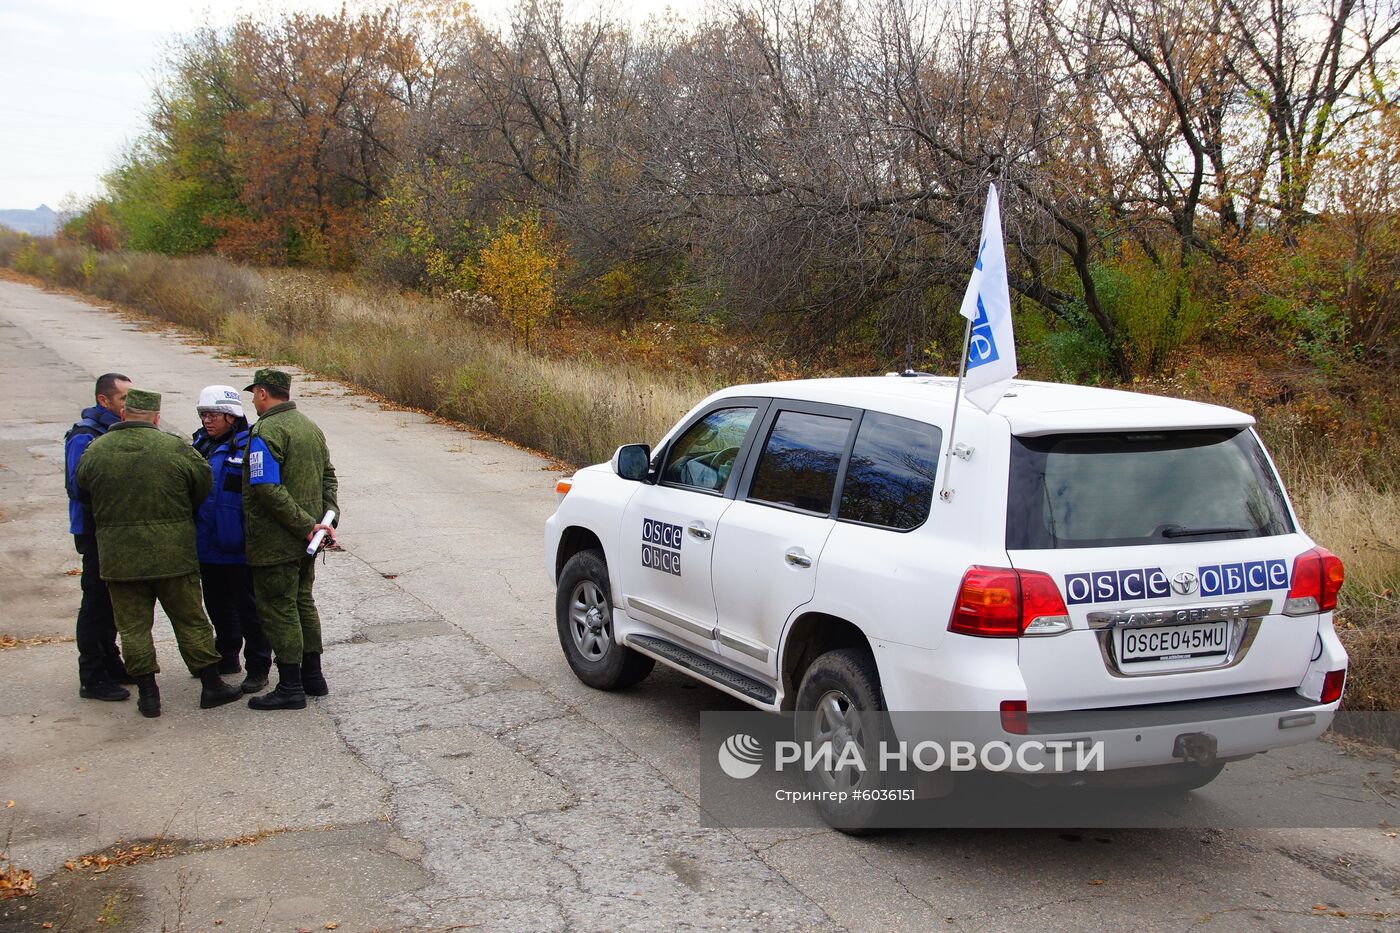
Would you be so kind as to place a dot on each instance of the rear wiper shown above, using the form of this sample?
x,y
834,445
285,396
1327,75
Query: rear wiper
x,y
1177,531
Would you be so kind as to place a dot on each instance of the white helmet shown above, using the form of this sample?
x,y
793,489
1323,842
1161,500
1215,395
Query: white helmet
x,y
220,398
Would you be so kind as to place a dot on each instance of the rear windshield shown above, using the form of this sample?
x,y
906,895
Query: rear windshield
x,y
1110,490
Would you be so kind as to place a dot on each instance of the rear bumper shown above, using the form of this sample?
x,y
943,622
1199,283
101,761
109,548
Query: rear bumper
x,y
1229,727
1206,731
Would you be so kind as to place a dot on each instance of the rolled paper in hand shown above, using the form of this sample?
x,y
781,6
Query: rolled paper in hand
x,y
320,536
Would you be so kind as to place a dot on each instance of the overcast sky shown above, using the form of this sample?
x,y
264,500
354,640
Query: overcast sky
x,y
76,79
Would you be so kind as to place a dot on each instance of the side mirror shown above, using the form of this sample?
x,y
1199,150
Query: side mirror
x,y
631,461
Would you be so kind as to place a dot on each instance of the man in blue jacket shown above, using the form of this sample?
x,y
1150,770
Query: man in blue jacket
x,y
223,565
100,667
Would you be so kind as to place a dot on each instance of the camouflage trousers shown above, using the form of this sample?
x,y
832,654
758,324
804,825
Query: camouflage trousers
x,y
288,613
134,607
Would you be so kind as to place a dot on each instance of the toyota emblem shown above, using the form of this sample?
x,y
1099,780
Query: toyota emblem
x,y
1184,582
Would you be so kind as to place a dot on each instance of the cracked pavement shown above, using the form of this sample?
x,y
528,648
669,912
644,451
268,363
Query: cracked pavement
x,y
458,775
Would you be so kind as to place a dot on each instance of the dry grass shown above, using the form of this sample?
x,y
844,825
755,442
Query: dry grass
x,y
1360,523
442,357
436,356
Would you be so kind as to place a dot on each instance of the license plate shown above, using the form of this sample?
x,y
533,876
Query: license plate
x,y
1172,642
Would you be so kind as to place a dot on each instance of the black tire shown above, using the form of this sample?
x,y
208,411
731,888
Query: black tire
x,y
583,612
848,679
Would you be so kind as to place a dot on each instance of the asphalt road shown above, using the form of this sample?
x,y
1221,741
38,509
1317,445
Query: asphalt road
x,y
459,777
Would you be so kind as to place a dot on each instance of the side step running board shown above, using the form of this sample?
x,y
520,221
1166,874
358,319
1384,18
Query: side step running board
x,y
706,668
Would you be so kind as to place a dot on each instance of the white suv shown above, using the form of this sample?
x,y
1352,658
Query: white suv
x,y
814,545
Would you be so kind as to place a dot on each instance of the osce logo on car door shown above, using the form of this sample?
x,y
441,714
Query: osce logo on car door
x,y
661,546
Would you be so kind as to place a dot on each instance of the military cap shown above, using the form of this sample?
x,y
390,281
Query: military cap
x,y
143,400
274,378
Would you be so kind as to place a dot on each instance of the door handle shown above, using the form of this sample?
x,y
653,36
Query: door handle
x,y
797,558
698,530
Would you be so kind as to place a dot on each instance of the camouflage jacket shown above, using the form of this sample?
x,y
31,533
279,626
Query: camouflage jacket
x,y
289,484
143,487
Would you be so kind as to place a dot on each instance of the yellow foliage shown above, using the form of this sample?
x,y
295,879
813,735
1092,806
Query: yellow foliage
x,y
517,270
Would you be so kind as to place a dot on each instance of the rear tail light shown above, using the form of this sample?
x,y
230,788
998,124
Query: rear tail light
x,y
1013,717
1331,686
999,602
1317,577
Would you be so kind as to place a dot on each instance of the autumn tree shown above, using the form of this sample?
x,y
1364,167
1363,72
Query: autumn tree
x,y
176,186
516,268
319,138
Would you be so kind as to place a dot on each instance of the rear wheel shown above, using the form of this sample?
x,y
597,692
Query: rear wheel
x,y
583,613
840,702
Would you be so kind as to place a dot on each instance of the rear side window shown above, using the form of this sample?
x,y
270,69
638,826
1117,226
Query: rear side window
x,y
889,481
1110,490
800,461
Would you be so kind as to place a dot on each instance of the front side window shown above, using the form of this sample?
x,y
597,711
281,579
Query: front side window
x,y
800,461
889,481
1166,487
703,456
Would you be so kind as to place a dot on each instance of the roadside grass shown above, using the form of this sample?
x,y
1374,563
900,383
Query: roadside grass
x,y
1359,521
445,357
433,355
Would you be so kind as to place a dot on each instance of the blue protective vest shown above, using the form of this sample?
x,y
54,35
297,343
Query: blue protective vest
x,y
218,525
93,424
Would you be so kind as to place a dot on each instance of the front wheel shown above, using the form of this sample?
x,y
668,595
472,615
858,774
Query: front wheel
x,y
583,612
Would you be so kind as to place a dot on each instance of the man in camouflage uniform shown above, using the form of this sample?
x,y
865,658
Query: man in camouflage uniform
x,y
143,487
289,484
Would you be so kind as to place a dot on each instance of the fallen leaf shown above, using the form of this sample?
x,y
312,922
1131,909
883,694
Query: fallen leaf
x,y
1319,907
1097,881
16,882
331,925
218,921
69,865
46,926
9,804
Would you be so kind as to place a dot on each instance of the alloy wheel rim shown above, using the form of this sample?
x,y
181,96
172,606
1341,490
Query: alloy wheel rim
x,y
838,721
590,621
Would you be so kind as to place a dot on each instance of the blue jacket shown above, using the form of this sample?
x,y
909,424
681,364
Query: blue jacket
x,y
218,525
93,424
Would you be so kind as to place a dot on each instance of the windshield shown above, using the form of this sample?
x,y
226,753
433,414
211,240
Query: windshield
x,y
1110,490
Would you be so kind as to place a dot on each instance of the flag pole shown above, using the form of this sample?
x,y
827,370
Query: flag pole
x,y
946,494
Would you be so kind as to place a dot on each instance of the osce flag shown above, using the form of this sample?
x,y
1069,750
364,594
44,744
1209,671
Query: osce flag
x,y
991,349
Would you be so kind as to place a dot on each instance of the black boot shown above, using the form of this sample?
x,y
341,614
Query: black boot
x,y
103,690
116,671
148,696
216,692
289,693
311,679
255,680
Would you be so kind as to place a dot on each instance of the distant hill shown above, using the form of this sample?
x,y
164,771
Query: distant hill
x,y
42,221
